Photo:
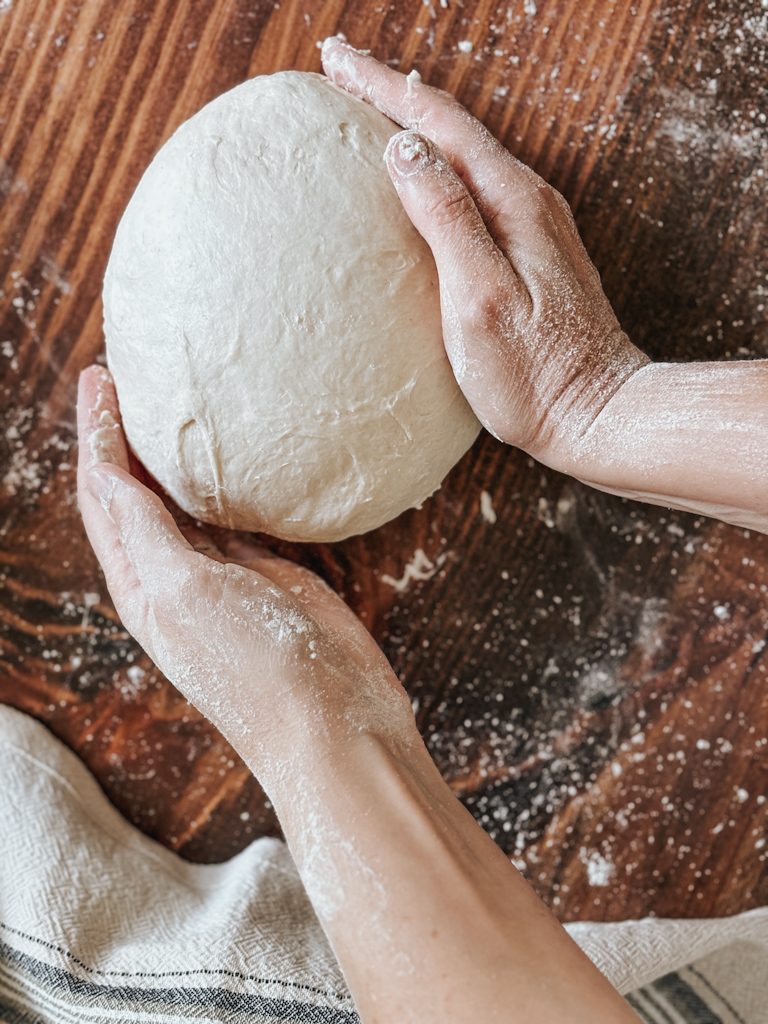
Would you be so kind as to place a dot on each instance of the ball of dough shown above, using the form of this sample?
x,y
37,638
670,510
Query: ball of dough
x,y
273,320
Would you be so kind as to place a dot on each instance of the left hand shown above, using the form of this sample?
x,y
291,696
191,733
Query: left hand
x,y
262,646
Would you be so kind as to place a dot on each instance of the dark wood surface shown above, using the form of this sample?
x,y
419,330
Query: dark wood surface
x,y
589,674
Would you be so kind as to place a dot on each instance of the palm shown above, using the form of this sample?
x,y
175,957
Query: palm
x,y
202,610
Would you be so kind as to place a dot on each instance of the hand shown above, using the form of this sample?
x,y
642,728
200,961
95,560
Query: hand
x,y
273,657
532,339
263,647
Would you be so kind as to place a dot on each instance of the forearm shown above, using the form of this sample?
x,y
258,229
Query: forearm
x,y
691,436
428,918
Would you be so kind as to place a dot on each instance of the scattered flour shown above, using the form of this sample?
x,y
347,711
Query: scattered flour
x,y
487,510
600,870
90,600
419,568
413,79
135,682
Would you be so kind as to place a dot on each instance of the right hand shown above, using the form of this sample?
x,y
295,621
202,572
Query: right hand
x,y
533,341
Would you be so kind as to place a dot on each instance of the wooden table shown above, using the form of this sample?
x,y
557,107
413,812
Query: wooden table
x,y
589,674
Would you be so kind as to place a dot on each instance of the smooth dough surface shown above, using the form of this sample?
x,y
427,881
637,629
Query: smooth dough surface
x,y
273,320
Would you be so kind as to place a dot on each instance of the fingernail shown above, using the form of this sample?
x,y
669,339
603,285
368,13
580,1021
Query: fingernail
x,y
337,44
330,43
101,484
409,153
101,438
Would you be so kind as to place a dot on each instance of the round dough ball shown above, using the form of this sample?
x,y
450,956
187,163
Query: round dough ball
x,y
273,320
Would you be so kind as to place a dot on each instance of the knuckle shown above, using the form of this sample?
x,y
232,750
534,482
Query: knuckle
x,y
552,204
451,206
449,120
560,204
446,103
447,97
484,310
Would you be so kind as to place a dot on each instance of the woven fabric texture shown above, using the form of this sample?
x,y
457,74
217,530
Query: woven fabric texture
x,y
98,923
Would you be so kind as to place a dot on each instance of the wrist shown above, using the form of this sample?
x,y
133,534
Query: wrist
x,y
314,738
567,440
346,790
690,436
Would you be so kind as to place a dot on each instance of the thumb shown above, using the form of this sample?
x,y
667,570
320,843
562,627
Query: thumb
x,y
146,560
472,270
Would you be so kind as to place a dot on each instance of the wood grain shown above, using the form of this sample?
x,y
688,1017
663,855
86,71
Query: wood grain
x,y
588,673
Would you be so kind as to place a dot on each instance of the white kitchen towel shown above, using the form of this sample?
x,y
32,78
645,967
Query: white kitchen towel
x,y
98,923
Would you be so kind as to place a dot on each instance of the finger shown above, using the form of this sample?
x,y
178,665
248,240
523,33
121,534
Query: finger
x,y
201,541
102,467
312,593
142,528
444,213
141,550
476,280
527,219
473,151
467,143
237,549
305,586
101,440
99,427
301,583
102,452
